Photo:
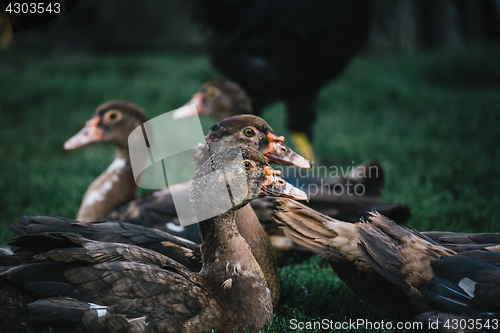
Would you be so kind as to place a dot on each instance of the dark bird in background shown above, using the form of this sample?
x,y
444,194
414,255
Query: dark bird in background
x,y
286,51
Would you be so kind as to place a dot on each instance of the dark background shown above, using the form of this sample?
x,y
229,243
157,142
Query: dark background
x,y
130,25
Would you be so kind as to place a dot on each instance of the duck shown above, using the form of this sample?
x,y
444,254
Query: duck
x,y
451,286
386,264
156,209
112,193
221,98
218,99
112,122
95,286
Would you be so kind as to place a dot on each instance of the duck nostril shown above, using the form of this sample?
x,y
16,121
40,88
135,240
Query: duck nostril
x,y
281,182
283,148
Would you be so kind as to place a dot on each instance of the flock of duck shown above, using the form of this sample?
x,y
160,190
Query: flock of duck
x,y
125,265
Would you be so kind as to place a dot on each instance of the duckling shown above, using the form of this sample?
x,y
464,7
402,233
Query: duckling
x,y
370,256
103,287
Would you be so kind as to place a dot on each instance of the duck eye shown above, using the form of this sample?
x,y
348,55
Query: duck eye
x,y
112,116
247,165
211,92
249,132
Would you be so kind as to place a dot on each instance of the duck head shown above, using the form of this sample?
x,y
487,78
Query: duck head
x,y
112,122
232,178
219,99
253,131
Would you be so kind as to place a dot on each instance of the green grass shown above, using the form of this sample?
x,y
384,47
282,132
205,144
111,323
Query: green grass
x,y
431,119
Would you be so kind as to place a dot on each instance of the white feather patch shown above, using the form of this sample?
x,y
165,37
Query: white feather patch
x,y
174,227
227,284
117,165
237,269
136,319
101,309
98,195
6,251
92,197
468,286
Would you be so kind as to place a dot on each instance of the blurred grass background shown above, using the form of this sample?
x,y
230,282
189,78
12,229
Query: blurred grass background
x,y
431,119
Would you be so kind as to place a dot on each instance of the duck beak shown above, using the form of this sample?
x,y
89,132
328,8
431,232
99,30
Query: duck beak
x,y
276,186
197,100
282,154
87,135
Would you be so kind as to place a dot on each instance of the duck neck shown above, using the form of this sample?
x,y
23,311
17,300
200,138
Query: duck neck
x,y
231,272
113,188
222,245
221,240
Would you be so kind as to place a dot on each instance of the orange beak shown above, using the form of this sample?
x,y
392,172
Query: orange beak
x,y
89,134
280,153
273,137
197,101
276,186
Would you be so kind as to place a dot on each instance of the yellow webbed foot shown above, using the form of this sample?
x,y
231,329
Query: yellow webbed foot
x,y
301,143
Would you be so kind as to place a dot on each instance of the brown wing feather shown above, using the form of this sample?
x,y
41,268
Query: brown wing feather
x,y
400,255
460,242
325,236
156,210
132,282
181,250
337,242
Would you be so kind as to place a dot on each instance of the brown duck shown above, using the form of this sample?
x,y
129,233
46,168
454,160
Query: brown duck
x,y
387,265
157,209
222,98
112,122
112,287
115,188
441,284
219,99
